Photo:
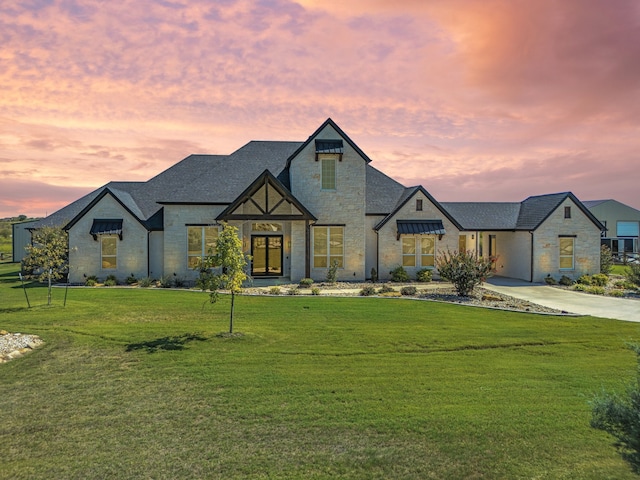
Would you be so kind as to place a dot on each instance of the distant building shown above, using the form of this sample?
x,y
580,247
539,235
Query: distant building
x,y
623,227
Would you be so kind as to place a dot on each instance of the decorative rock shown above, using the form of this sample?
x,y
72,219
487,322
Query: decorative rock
x,y
13,345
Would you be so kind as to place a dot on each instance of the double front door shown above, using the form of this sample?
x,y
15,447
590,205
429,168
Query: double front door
x,y
266,251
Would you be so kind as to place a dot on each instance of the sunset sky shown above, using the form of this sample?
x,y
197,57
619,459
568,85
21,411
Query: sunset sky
x,y
477,100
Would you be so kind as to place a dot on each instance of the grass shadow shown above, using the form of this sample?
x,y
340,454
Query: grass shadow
x,y
177,342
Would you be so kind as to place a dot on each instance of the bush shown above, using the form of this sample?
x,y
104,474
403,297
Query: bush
x,y
600,280
464,270
616,293
625,285
145,282
332,272
178,282
633,273
584,280
386,289
91,281
306,282
367,291
619,416
408,290
131,279
399,274
374,275
549,280
424,275
315,291
166,281
566,281
275,291
595,290
110,281
293,291
606,260
580,287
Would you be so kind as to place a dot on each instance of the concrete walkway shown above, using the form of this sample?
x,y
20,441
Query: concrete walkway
x,y
572,302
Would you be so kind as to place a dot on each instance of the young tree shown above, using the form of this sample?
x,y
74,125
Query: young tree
x,y
229,262
619,416
464,270
606,260
48,254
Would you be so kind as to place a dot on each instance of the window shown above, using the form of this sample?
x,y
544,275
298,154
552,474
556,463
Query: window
x,y
109,252
462,243
418,205
627,229
427,251
567,212
328,246
424,257
566,253
408,251
201,241
328,173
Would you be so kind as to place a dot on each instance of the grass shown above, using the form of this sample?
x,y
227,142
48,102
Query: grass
x,y
136,383
619,269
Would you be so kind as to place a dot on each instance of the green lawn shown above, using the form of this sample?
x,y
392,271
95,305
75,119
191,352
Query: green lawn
x,y
135,383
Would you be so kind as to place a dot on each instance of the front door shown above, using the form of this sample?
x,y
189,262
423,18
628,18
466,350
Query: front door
x,y
266,251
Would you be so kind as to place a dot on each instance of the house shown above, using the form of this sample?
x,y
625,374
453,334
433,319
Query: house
x,y
622,224
301,206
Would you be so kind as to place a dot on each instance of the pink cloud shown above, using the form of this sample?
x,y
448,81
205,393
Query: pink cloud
x,y
482,94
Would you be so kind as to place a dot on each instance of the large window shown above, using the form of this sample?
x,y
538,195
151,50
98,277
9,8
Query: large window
x,y
109,252
201,241
328,173
328,246
566,253
418,251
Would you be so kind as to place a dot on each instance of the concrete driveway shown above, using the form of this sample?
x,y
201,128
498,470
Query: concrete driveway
x,y
572,302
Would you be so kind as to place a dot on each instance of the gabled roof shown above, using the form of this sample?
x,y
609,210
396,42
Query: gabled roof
x,y
328,122
526,215
594,203
269,211
406,196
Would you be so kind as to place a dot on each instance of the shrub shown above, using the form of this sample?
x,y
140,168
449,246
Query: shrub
x,y
275,291
306,282
549,280
595,290
581,287
178,282
91,281
315,291
367,291
386,289
408,290
600,280
399,274
293,291
625,285
616,293
374,275
566,281
145,282
165,281
464,270
619,416
606,260
332,272
110,281
584,280
131,279
424,275
633,273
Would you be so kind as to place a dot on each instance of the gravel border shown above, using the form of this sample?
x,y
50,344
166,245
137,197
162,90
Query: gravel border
x,y
13,345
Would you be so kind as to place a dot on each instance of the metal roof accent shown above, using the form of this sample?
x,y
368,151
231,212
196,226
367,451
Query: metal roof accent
x,y
420,227
329,146
111,226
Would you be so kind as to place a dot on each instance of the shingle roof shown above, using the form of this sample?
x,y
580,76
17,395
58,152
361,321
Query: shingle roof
x,y
484,215
525,215
382,192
